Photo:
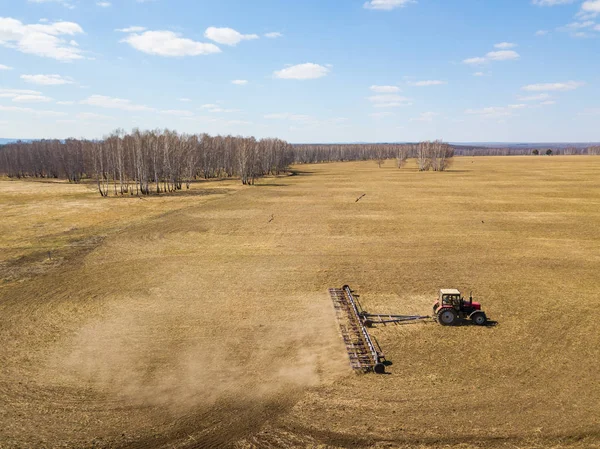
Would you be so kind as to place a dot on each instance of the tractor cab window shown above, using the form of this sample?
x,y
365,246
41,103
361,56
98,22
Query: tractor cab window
x,y
450,299
447,299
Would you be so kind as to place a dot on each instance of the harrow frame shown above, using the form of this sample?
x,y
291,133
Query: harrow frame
x,y
364,351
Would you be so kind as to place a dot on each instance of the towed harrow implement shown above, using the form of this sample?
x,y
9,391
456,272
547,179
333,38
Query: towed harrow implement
x,y
364,352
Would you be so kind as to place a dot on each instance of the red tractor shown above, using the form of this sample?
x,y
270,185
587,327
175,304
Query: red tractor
x,y
451,308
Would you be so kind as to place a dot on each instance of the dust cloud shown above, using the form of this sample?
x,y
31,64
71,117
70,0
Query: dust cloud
x,y
145,354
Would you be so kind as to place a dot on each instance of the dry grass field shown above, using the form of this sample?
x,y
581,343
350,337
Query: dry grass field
x,y
195,320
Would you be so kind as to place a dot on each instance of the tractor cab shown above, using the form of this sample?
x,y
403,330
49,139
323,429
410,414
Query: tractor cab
x,y
450,308
450,297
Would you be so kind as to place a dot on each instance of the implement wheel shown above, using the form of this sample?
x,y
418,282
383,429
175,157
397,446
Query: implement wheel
x,y
447,317
379,368
478,318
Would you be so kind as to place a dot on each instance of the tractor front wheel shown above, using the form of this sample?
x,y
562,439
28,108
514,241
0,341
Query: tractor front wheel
x,y
447,317
479,318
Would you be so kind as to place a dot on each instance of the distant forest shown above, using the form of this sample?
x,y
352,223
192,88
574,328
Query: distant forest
x,y
520,150
310,153
144,162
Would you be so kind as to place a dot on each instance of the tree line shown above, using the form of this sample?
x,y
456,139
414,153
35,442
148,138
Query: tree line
x,y
434,155
144,162
594,151
315,153
567,150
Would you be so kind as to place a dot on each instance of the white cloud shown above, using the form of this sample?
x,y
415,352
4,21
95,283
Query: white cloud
x,y
168,44
580,25
387,5
133,29
65,103
425,117
36,112
240,82
478,74
216,108
389,101
65,3
31,99
305,71
40,39
385,89
47,80
273,35
5,67
427,83
591,6
539,97
24,96
578,28
505,45
551,2
501,55
185,100
477,60
104,4
114,103
541,32
548,87
11,93
548,103
495,112
227,36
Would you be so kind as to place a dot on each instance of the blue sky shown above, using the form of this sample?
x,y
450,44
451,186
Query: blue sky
x,y
305,71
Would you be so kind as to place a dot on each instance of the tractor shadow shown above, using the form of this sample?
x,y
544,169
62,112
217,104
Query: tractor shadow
x,y
489,323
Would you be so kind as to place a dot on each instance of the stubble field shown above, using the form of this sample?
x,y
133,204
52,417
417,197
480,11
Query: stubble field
x,y
203,319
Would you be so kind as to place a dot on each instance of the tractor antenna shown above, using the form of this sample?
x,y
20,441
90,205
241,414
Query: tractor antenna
x,y
471,297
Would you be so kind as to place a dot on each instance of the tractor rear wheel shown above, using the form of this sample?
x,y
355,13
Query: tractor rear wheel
x,y
478,318
447,317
